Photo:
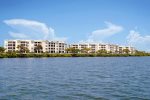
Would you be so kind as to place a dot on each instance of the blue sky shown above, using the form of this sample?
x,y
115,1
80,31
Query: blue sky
x,y
124,22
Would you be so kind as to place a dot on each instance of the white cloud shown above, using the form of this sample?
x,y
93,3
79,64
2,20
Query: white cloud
x,y
137,40
29,29
101,34
18,35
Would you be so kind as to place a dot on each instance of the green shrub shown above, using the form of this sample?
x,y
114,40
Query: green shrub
x,y
22,55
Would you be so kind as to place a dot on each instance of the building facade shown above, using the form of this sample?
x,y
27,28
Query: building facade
x,y
47,46
110,48
60,46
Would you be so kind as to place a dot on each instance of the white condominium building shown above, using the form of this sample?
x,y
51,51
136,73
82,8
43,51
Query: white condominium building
x,y
54,46
12,45
131,49
60,46
93,46
110,48
47,46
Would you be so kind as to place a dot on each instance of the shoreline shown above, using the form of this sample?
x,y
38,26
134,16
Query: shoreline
x,y
47,55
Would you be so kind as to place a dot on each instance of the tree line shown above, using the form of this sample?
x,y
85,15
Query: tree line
x,y
70,52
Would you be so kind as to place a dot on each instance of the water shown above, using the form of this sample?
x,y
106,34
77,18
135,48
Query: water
x,y
103,78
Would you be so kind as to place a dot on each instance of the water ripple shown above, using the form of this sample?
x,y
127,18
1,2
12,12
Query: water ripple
x,y
110,78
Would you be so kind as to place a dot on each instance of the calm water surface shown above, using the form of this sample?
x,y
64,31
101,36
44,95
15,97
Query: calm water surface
x,y
103,78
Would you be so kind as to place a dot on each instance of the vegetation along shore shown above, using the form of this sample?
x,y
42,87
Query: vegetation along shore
x,y
74,53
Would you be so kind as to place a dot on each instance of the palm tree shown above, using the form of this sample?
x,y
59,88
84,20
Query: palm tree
x,y
126,51
102,51
26,50
2,49
22,49
38,48
67,50
85,50
116,51
72,50
19,47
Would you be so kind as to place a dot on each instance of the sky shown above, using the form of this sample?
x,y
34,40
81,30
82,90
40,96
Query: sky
x,y
122,22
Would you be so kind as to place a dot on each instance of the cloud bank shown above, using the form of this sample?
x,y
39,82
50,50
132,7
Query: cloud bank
x,y
102,34
30,29
135,39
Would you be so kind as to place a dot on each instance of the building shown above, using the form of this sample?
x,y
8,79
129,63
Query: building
x,y
93,47
12,45
47,46
60,46
54,46
110,48
122,48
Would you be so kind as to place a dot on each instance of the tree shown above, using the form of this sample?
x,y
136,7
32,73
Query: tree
x,y
126,51
110,52
67,50
141,53
26,50
2,49
117,51
75,50
38,48
22,49
72,50
85,50
102,51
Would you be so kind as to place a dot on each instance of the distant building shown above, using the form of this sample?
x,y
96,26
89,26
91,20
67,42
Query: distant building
x,y
47,46
110,48
60,46
131,49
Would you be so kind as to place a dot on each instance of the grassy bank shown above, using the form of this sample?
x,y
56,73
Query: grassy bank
x,y
28,55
